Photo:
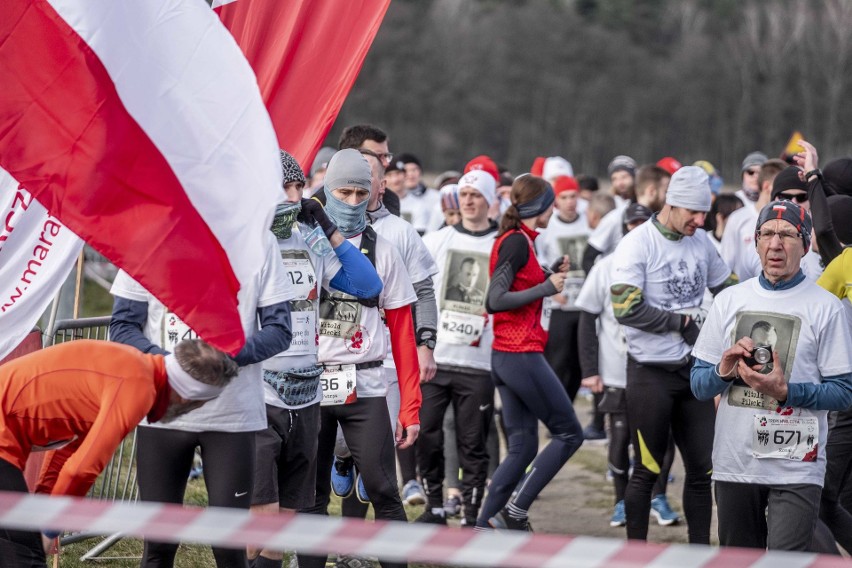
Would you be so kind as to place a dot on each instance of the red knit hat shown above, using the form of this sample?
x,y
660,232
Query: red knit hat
x,y
484,163
565,183
669,164
538,166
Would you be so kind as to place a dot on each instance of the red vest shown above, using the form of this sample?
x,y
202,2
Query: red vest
x,y
520,331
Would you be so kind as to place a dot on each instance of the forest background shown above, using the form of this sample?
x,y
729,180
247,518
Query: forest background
x,y
590,79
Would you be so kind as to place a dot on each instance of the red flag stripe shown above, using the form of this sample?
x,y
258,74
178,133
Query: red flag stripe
x,y
59,109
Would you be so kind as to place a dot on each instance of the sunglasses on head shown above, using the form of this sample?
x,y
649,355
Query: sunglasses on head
x,y
797,197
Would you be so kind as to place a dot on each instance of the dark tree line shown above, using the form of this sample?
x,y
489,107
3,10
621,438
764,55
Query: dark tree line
x,y
589,79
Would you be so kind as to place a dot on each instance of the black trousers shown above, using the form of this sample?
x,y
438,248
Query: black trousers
x,y
366,428
660,401
563,349
18,549
838,469
164,457
471,394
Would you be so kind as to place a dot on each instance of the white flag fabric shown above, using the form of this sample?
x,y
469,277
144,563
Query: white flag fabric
x,y
36,254
141,126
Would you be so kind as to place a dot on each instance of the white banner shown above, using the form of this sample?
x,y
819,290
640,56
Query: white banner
x,y
36,254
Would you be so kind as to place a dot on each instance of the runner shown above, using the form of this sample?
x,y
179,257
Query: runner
x,y
462,352
661,271
419,205
81,399
285,471
529,389
750,189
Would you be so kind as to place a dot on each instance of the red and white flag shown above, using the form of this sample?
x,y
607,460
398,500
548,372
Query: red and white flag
x,y
141,127
306,55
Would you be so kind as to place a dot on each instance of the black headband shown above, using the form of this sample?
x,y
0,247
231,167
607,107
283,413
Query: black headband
x,y
538,205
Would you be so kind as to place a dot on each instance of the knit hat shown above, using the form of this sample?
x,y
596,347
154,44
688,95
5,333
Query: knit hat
x,y
690,188
754,159
565,183
481,181
837,175
669,164
841,212
788,211
788,178
636,212
715,179
409,159
484,163
292,169
321,161
625,163
348,168
449,176
556,166
537,168
450,197
395,166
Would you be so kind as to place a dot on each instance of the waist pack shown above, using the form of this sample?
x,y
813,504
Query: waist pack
x,y
295,387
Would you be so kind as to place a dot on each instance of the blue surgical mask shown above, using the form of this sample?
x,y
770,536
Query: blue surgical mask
x,y
350,219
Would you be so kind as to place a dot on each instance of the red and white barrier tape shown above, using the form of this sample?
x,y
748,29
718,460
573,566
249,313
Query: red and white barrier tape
x,y
391,540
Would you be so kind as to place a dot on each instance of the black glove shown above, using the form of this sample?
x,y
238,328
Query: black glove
x,y
689,330
313,214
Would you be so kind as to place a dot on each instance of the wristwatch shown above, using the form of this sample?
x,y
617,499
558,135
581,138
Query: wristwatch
x,y
427,337
814,172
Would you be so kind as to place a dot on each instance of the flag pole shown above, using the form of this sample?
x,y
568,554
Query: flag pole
x,y
78,287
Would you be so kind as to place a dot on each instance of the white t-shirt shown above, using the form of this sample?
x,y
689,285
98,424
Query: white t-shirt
x,y
737,248
612,343
813,333
558,239
423,211
307,273
672,275
351,333
240,407
609,231
465,330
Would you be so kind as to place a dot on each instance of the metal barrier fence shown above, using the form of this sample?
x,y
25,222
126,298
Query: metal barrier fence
x,y
117,482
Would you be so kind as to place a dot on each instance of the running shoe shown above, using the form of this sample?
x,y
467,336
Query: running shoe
x,y
361,491
431,518
619,517
453,506
342,477
504,521
663,512
592,433
412,493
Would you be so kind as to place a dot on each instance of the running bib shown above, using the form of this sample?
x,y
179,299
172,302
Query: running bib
x,y
176,331
547,306
572,288
338,385
785,437
460,329
300,272
303,321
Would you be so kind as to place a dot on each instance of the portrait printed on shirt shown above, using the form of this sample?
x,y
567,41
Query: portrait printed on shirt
x,y
575,248
771,333
340,315
465,282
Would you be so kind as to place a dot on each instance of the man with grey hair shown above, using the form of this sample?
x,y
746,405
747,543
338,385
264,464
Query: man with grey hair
x,y
661,271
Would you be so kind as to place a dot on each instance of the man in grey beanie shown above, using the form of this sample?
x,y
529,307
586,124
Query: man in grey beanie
x,y
661,272
750,190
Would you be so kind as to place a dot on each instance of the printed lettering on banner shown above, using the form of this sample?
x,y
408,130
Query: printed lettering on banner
x,y
338,385
461,329
176,331
785,437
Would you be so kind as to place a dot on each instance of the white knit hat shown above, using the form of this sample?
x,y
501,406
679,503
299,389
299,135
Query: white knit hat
x,y
481,181
556,166
690,188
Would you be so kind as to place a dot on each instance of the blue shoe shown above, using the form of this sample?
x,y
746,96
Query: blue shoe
x,y
618,518
361,491
342,477
412,493
663,512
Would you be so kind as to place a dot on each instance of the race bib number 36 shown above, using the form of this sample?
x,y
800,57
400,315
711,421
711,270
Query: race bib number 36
x,y
338,385
785,437
460,329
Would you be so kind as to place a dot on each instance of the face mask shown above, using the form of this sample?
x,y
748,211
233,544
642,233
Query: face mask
x,y
285,218
350,219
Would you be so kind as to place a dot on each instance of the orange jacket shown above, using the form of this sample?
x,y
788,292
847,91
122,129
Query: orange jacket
x,y
86,394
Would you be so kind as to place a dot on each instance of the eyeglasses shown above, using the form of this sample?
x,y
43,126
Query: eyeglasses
x,y
797,197
786,237
385,157
752,172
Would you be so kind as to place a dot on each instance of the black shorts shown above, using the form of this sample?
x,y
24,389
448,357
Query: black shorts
x,y
286,457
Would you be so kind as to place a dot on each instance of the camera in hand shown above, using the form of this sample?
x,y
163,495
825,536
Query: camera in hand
x,y
760,355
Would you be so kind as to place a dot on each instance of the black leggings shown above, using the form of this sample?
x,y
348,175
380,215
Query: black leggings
x,y
18,549
838,468
164,457
619,457
660,401
530,392
563,349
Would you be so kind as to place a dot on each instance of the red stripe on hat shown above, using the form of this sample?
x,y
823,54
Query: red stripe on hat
x,y
67,137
